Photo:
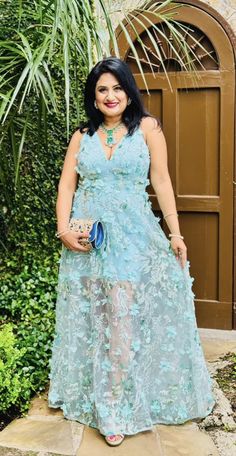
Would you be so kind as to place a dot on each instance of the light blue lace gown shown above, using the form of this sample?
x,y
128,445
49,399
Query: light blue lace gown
x,y
126,353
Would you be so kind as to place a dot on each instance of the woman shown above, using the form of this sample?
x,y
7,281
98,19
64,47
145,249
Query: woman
x,y
127,352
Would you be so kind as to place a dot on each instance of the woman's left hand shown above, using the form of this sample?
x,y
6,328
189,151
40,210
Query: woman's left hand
x,y
180,250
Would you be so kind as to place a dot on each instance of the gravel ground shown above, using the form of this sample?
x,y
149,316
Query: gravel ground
x,y
221,423
15,452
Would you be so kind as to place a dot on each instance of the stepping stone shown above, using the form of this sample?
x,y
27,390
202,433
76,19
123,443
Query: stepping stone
x,y
49,434
142,444
14,452
39,406
216,343
163,440
185,440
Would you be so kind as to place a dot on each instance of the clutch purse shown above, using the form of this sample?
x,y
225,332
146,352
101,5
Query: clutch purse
x,y
95,228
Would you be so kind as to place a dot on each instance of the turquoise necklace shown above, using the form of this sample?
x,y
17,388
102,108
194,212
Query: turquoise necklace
x,y
110,140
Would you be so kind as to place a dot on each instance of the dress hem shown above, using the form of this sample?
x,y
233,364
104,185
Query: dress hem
x,y
140,430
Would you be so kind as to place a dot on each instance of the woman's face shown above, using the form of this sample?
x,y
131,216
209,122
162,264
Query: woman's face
x,y
110,97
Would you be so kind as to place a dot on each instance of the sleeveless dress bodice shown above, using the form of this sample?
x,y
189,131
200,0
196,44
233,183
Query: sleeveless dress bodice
x,y
114,191
126,353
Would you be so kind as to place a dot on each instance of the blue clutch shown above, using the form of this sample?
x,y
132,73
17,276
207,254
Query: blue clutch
x,y
95,228
96,235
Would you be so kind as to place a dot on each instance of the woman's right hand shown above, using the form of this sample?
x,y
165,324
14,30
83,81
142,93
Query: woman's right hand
x,y
71,241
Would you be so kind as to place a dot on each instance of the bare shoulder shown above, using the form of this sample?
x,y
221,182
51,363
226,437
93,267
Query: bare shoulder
x,y
154,138
75,140
148,124
76,137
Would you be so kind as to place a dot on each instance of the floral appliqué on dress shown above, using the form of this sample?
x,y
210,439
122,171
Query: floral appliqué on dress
x,y
126,353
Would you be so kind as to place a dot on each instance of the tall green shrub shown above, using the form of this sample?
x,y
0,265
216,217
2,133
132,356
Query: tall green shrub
x,y
15,385
27,300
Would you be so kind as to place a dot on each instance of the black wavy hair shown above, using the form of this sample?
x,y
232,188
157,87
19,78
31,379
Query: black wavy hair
x,y
133,112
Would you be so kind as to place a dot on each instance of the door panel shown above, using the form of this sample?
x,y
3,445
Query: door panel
x,y
198,161
203,228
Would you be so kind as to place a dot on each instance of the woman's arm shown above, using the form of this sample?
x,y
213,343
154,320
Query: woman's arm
x,y
67,184
161,182
66,188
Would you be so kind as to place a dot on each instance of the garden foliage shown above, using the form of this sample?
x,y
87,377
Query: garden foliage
x,y
29,251
15,384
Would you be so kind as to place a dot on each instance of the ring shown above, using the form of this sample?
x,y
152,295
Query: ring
x,y
83,243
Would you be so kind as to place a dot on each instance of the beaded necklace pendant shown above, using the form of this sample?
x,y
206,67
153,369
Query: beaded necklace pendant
x,y
110,140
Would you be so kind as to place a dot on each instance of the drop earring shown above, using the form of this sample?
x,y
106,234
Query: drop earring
x,y
95,104
129,101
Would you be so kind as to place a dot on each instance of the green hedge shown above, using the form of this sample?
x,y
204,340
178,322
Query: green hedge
x,y
15,384
29,251
27,300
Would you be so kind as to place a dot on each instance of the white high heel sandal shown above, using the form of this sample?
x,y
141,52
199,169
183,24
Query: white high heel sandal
x,y
113,440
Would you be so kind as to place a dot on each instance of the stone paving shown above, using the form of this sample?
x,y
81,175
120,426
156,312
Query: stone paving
x,y
44,431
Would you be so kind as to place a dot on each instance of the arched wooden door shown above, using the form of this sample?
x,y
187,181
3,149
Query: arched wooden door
x,y
198,122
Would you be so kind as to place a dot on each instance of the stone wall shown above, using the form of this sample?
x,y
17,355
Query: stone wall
x,y
227,8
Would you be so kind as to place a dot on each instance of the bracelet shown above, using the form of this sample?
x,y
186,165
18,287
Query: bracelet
x,y
60,233
171,213
176,235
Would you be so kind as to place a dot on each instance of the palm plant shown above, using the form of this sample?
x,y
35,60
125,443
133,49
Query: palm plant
x,y
46,41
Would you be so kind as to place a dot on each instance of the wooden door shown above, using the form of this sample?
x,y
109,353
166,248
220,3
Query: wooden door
x,y
198,123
